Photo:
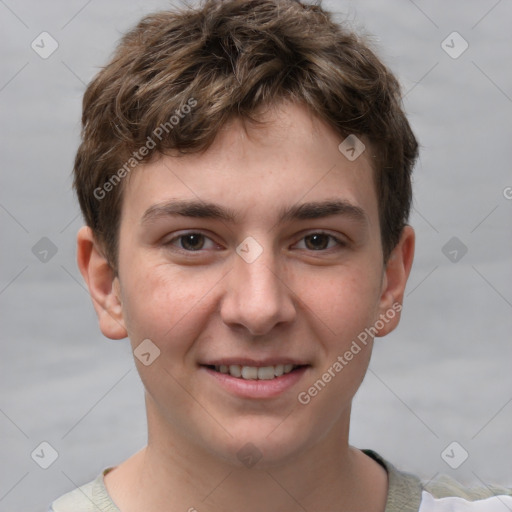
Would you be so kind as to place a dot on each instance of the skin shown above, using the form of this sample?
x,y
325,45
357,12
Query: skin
x,y
294,300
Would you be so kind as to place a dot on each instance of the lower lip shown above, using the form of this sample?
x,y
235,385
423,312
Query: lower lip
x,y
246,388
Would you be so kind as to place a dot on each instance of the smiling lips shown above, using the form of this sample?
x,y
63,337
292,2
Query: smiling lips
x,y
252,379
255,372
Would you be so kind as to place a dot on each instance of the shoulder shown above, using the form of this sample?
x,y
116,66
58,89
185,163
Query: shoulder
x,y
407,493
91,497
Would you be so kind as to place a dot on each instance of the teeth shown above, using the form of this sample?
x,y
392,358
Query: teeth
x,y
266,373
249,372
255,373
235,370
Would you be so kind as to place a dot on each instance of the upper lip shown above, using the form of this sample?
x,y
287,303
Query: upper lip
x,y
246,361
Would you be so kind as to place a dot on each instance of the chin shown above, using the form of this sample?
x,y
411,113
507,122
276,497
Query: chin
x,y
263,443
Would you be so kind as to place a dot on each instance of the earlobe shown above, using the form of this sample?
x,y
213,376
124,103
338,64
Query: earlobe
x,y
398,268
102,283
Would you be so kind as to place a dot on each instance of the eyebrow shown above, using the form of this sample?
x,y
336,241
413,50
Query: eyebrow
x,y
205,210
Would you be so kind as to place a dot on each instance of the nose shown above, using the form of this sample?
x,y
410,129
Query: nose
x,y
257,296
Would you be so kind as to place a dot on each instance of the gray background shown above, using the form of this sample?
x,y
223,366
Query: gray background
x,y
443,376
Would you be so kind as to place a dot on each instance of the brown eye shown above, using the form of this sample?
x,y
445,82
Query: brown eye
x,y
317,241
192,241
320,242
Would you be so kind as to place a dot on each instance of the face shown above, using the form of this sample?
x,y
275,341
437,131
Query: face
x,y
260,256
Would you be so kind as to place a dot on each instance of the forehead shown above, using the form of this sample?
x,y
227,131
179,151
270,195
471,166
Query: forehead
x,y
258,170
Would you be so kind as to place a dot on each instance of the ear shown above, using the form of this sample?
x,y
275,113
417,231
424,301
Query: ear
x,y
103,285
394,280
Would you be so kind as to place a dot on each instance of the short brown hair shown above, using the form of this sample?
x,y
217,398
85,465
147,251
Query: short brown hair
x,y
230,58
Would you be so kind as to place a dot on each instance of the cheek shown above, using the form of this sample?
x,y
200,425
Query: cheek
x,y
166,306
341,306
344,300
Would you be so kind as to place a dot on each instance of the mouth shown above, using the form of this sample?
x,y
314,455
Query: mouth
x,y
268,372
255,380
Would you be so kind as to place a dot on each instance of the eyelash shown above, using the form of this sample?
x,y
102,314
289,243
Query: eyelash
x,y
340,243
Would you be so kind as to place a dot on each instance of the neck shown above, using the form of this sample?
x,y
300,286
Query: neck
x,y
172,474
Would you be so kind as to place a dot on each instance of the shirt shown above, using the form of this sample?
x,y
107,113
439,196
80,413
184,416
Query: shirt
x,y
406,493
